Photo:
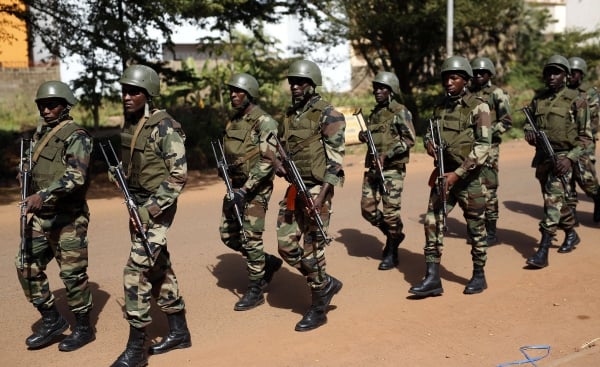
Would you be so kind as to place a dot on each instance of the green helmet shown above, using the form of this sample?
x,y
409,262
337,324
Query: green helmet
x,y
306,69
55,89
142,76
246,82
389,79
457,63
560,62
483,63
577,63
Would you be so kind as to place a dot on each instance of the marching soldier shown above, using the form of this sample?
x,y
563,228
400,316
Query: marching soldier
x,y
393,135
153,155
250,158
500,114
465,132
313,133
563,114
584,171
59,222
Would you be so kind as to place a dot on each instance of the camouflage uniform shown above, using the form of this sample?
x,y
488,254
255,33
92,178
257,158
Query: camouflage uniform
x,y
393,135
59,229
157,174
500,114
584,170
251,167
465,127
318,162
568,133
564,116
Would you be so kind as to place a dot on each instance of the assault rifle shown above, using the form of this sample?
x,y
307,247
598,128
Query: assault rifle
x,y
293,176
542,142
440,181
115,167
372,149
223,168
25,174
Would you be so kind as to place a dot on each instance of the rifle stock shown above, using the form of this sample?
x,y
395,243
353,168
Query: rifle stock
x,y
542,142
372,149
223,168
436,139
25,173
293,176
116,169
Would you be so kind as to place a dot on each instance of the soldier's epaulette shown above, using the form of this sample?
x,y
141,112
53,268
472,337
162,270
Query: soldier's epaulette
x,y
472,100
540,93
396,107
571,94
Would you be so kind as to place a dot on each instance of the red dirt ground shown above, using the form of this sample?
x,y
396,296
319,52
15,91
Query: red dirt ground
x,y
373,321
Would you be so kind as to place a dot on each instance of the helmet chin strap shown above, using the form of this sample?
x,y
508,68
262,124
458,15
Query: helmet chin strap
x,y
245,103
64,114
306,94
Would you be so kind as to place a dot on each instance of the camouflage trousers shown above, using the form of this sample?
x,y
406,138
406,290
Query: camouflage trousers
x,y
253,218
584,175
489,181
469,194
388,219
143,279
557,213
293,223
63,237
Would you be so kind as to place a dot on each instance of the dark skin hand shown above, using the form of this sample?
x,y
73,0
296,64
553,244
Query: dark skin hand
x,y
33,203
321,197
563,165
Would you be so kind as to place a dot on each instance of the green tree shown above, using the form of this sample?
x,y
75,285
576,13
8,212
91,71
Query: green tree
x,y
408,37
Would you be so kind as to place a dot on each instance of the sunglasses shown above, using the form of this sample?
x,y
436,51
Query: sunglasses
x,y
49,104
132,91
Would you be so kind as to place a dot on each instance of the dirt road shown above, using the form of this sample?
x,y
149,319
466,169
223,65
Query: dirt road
x,y
374,322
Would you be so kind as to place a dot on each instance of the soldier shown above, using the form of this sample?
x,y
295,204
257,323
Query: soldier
x,y
153,155
564,116
313,133
59,222
393,134
584,171
465,131
499,103
250,158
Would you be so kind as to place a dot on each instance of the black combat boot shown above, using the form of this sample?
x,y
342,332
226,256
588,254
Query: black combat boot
x,y
83,333
178,338
571,240
431,285
490,227
321,298
253,297
53,325
272,264
477,283
134,354
390,252
540,258
596,216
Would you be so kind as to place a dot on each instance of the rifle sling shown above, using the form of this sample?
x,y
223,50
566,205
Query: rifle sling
x,y
44,142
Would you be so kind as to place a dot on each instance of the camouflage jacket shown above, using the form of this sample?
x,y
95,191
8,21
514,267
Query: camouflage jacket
x,y
576,112
393,124
262,125
331,127
500,111
471,126
76,159
166,140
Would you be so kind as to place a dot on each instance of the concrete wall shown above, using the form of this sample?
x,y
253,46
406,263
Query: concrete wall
x,y
19,83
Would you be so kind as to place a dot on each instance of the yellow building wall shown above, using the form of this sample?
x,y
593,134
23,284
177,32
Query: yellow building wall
x,y
13,41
